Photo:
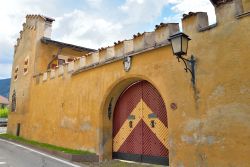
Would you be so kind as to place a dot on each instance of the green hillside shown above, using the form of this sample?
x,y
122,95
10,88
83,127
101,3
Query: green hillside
x,y
5,87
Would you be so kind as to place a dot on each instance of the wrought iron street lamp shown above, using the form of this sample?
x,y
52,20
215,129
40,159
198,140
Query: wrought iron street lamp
x,y
179,42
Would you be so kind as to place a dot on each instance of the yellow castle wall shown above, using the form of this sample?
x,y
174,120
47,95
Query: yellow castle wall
x,y
210,126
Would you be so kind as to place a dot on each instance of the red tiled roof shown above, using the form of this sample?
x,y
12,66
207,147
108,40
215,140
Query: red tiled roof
x,y
62,44
3,100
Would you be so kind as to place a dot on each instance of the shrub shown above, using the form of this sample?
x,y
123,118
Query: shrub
x,y
4,112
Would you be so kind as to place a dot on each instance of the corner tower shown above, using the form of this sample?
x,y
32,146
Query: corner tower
x,y
24,66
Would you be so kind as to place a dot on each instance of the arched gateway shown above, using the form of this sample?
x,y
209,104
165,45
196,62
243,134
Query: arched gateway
x,y
140,125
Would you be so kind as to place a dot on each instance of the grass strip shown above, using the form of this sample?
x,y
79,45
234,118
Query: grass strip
x,y
4,112
44,145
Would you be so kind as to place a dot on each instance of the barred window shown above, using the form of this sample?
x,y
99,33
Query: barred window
x,y
13,102
16,73
26,64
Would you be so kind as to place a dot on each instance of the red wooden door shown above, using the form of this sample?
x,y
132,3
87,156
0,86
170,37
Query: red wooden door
x,y
140,125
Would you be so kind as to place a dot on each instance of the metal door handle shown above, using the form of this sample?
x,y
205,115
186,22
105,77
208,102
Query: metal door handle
x,y
152,123
131,124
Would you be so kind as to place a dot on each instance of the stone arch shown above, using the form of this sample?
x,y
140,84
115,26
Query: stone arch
x,y
106,123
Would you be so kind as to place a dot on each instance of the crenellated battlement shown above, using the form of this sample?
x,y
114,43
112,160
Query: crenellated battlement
x,y
31,25
30,19
105,54
64,70
139,43
143,40
27,26
123,47
220,2
193,22
164,30
246,5
226,11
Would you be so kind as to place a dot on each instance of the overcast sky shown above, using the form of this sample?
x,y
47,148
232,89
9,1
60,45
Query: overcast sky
x,y
91,23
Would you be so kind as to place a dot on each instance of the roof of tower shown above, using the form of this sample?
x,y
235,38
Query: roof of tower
x,y
47,19
3,100
62,44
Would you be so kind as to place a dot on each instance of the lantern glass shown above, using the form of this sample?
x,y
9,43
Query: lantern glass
x,y
176,45
184,44
179,43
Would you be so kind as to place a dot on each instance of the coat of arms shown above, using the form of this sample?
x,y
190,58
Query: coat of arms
x,y
127,63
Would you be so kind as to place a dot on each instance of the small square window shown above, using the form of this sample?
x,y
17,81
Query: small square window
x,y
16,73
61,61
26,64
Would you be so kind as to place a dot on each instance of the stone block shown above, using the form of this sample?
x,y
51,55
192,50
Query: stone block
x,y
71,66
82,62
163,31
143,41
52,74
60,70
110,52
128,46
45,76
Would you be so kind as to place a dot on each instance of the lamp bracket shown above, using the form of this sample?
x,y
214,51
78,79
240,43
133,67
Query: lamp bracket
x,y
191,63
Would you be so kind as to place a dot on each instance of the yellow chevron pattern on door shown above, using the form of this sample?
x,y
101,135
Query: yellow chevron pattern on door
x,y
140,127
141,112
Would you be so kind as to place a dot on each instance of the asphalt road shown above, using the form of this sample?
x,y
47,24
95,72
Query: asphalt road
x,y
14,155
